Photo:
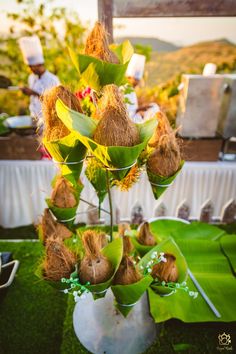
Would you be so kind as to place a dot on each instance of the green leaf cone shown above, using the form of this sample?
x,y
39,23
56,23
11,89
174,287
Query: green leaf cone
x,y
130,294
97,73
159,183
168,246
119,159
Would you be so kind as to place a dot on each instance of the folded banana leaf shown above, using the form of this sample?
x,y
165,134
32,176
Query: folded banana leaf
x,y
118,159
126,296
167,246
68,153
159,183
141,249
113,251
97,73
96,175
64,215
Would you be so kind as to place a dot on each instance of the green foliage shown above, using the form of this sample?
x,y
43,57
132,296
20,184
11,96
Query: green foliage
x,y
36,18
144,50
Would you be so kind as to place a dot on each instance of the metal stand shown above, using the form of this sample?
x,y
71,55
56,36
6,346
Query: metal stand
x,y
102,329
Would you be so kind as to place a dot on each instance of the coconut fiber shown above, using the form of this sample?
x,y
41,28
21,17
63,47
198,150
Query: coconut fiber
x,y
52,228
165,158
59,262
166,271
127,272
54,128
97,45
114,127
63,194
94,267
145,237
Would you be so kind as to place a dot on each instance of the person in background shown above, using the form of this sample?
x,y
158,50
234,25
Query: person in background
x,y
134,74
40,79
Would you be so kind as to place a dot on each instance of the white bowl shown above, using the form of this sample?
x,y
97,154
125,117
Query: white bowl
x,y
19,122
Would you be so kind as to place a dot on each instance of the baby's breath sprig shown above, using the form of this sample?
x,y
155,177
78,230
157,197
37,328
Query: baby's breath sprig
x,y
155,259
76,289
176,286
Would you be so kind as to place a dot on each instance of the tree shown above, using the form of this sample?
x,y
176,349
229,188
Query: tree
x,y
57,28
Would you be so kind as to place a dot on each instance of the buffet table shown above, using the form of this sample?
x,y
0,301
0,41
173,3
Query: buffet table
x,y
25,184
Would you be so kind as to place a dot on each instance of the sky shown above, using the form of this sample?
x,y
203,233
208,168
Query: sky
x,y
181,31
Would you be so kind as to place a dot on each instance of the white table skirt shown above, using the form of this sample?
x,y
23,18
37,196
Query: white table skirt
x,y
25,184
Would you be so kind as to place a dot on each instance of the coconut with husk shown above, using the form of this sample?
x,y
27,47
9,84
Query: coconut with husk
x,y
127,272
54,128
163,128
52,228
123,228
97,45
165,159
59,262
166,271
63,194
114,127
94,268
145,237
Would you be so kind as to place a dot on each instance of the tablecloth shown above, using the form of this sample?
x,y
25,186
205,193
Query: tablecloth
x,y
25,184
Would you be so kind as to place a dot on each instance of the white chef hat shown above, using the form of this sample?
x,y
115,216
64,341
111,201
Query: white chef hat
x,y
32,50
209,69
136,66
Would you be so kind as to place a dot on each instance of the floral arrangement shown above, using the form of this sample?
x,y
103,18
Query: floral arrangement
x,y
92,128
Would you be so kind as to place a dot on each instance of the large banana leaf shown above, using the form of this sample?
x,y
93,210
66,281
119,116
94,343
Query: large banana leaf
x,y
159,183
113,251
168,246
179,230
228,245
127,295
212,270
97,73
68,152
117,158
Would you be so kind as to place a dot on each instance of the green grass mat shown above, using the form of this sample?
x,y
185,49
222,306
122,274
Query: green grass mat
x,y
32,312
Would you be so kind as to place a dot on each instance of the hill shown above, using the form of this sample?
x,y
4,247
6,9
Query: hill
x,y
167,66
157,45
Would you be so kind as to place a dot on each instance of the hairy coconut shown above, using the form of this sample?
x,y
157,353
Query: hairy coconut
x,y
163,128
59,262
145,237
114,127
52,228
166,271
94,267
63,194
127,272
97,45
165,159
54,128
122,228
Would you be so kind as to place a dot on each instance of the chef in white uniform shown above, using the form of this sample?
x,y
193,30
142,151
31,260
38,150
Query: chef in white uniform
x,y
134,74
40,79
